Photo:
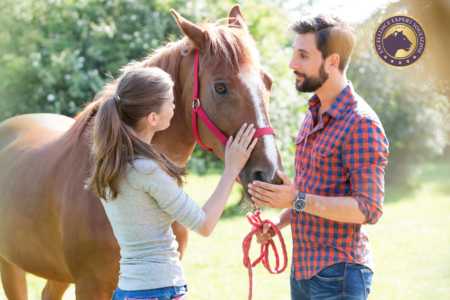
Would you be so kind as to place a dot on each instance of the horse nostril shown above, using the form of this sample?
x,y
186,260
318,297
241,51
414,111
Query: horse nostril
x,y
259,176
277,179
271,177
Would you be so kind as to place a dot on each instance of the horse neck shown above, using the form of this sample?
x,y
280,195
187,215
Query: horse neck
x,y
177,141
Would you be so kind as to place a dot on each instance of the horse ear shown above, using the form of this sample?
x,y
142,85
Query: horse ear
x,y
236,19
395,33
192,31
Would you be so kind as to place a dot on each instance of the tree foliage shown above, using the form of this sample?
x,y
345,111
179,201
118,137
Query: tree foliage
x,y
57,55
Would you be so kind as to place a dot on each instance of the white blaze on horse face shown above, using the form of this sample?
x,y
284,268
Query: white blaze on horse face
x,y
252,80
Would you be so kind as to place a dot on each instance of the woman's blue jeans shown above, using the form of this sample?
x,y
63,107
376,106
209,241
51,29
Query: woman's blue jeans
x,y
341,281
166,293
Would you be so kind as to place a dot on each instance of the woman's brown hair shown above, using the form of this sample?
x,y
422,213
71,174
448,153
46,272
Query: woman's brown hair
x,y
138,93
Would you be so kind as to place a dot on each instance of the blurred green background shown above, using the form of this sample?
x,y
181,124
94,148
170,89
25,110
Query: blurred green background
x,y
55,56
409,243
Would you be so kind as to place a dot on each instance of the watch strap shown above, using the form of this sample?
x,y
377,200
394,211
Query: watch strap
x,y
301,195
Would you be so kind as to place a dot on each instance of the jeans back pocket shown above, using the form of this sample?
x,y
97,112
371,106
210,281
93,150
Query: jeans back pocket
x,y
367,276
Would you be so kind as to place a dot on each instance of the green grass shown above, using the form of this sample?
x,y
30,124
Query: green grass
x,y
410,245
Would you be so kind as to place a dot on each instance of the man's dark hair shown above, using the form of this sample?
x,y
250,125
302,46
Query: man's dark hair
x,y
332,36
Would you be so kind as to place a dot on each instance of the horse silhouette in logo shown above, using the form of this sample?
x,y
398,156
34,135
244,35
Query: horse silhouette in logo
x,y
396,41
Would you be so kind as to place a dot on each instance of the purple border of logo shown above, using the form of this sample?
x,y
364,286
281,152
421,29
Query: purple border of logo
x,y
398,20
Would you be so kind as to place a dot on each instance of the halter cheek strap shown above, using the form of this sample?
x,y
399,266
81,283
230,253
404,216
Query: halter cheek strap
x,y
197,111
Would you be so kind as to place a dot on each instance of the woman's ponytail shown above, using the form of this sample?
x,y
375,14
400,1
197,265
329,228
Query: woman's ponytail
x,y
108,149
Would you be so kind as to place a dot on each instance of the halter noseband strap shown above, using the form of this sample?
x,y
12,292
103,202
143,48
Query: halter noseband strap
x,y
198,111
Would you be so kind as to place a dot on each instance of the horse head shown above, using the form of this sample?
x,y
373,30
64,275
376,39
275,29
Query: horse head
x,y
233,89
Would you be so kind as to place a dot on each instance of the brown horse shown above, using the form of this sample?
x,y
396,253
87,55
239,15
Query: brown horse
x,y
52,227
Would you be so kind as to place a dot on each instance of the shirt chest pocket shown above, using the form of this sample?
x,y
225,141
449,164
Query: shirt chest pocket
x,y
300,138
326,159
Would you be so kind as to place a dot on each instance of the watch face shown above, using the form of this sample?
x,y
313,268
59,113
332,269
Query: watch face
x,y
299,204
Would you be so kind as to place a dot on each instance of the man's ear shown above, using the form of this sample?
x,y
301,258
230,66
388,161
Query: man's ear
x,y
334,60
194,33
236,19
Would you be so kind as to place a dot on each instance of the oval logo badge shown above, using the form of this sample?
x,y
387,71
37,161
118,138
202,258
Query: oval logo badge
x,y
399,41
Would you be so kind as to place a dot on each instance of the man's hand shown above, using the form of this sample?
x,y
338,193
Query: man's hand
x,y
273,196
266,235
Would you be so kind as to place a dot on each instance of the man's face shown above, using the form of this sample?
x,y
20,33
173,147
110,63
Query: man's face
x,y
308,64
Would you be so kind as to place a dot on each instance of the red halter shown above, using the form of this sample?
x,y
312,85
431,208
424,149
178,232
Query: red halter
x,y
201,113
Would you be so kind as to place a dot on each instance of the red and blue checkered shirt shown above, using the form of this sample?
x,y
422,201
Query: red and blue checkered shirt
x,y
343,155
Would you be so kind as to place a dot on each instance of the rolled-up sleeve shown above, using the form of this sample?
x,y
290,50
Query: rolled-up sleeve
x,y
364,158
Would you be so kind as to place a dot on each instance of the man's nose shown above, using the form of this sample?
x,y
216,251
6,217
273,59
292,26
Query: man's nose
x,y
293,64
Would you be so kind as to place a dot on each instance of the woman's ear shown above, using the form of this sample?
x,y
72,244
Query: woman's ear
x,y
152,119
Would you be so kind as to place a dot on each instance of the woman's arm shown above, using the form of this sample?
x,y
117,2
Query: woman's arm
x,y
214,207
236,155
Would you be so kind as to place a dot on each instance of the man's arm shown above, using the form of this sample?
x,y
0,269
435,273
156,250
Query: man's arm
x,y
341,209
364,158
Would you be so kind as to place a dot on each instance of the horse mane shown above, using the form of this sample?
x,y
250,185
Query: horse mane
x,y
229,45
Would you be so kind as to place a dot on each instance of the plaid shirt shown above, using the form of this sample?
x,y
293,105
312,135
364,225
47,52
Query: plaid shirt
x,y
343,155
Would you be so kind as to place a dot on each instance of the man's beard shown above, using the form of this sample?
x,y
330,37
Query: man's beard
x,y
312,83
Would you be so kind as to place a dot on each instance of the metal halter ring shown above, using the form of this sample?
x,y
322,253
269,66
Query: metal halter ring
x,y
193,103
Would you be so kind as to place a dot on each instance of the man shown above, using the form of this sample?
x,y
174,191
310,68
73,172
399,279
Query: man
x,y
341,152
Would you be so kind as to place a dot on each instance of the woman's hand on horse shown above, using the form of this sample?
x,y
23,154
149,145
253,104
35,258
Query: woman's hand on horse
x,y
238,151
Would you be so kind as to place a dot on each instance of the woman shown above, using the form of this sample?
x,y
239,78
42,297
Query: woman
x,y
140,187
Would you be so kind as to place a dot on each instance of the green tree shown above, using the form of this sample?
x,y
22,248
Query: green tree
x,y
56,55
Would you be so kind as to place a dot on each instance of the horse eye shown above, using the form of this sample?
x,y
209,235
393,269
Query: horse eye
x,y
220,89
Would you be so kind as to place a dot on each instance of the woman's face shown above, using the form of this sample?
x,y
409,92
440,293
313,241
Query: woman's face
x,y
167,111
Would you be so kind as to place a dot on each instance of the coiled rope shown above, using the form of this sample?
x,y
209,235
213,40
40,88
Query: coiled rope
x,y
257,222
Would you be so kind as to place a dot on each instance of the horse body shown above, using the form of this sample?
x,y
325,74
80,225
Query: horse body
x,y
30,231
26,160
52,227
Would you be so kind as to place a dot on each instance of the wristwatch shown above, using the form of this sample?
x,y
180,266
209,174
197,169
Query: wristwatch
x,y
300,202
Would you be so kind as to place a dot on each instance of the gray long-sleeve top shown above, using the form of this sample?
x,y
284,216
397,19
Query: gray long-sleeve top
x,y
141,217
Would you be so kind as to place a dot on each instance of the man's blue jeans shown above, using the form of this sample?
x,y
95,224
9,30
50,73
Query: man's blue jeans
x,y
166,293
341,281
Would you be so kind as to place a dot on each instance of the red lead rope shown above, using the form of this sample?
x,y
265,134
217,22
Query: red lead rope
x,y
258,223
